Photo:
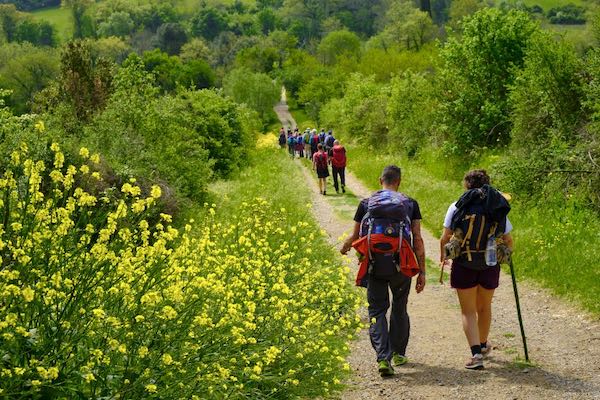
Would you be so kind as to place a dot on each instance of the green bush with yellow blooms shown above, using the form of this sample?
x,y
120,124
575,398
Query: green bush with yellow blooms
x,y
102,298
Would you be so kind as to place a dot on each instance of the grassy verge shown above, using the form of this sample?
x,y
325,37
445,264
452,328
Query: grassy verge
x,y
313,363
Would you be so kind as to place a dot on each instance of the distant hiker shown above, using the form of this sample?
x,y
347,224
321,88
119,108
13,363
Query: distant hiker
x,y
329,140
320,165
477,220
314,141
306,138
338,165
387,233
291,141
322,136
299,145
282,138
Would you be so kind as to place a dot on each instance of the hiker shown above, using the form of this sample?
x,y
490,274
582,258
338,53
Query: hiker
x,y
338,165
314,141
329,140
282,138
306,138
387,233
477,220
299,145
320,165
291,141
322,136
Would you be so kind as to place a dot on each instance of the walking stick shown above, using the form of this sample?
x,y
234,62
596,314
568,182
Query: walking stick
x,y
514,282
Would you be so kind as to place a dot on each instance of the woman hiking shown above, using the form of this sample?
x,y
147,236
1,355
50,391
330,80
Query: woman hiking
x,y
320,165
473,227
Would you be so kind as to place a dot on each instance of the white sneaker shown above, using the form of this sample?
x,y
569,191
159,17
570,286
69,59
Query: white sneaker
x,y
476,362
485,351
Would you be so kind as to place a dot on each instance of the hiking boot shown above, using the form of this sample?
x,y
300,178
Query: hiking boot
x,y
343,189
385,369
324,193
398,360
476,362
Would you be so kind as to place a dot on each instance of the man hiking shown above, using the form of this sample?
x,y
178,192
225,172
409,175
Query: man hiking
x,y
329,141
338,165
306,138
291,141
387,233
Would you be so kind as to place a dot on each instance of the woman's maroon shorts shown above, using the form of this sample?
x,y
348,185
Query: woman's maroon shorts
x,y
465,278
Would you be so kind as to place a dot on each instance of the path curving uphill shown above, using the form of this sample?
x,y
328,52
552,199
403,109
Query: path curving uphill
x,y
564,342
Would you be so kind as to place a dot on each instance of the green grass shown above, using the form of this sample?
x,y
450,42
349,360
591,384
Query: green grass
x,y
60,17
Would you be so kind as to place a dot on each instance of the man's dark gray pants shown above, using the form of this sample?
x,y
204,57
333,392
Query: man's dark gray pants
x,y
395,339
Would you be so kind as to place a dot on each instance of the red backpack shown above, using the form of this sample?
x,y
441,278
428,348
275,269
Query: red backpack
x,y
321,160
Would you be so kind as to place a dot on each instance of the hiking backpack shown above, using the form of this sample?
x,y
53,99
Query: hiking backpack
x,y
321,137
291,140
329,141
474,225
321,160
386,235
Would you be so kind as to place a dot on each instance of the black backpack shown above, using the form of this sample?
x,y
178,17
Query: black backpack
x,y
480,216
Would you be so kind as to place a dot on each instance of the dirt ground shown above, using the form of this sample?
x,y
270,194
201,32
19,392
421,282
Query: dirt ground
x,y
564,342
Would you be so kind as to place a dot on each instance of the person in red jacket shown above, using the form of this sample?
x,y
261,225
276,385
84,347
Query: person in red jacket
x,y
338,165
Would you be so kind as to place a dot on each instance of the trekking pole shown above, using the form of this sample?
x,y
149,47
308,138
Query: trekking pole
x,y
514,281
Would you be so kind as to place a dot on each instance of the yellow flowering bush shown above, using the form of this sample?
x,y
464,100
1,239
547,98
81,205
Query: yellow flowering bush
x,y
99,302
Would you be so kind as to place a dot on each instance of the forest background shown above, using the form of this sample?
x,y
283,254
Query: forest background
x,y
172,94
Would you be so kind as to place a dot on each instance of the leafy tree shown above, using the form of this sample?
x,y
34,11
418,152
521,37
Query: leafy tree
x,y
475,75
81,23
547,116
405,26
196,74
547,93
209,23
170,37
337,44
166,69
196,49
567,14
463,8
21,27
110,48
410,108
267,20
27,73
258,58
363,108
257,90
85,83
324,86
119,24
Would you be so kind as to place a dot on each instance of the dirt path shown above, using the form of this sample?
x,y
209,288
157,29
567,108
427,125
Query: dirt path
x,y
563,342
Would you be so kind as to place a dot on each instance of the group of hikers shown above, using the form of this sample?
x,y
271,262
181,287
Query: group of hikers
x,y
387,237
323,149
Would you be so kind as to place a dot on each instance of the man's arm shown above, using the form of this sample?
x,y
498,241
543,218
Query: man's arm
x,y
419,247
348,243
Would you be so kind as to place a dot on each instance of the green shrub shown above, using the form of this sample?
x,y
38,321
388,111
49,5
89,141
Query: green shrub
x,y
98,302
476,72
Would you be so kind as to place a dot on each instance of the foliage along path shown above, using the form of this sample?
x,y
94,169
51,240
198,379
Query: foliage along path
x,y
564,343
